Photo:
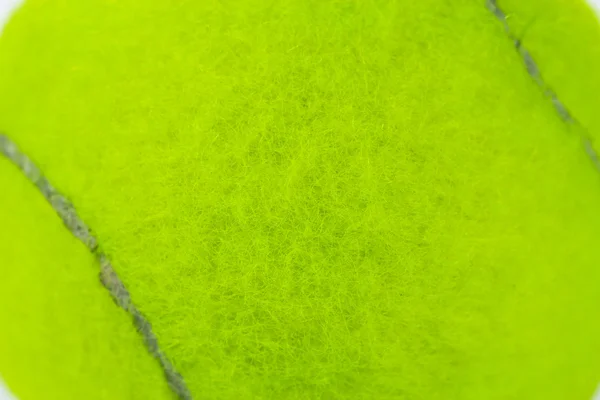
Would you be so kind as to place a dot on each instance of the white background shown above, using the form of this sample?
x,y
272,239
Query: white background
x,y
6,9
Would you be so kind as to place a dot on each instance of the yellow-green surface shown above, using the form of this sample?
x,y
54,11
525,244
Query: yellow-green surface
x,y
61,336
319,199
562,36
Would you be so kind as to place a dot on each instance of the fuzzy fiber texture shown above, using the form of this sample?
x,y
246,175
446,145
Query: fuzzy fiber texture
x,y
60,337
65,210
329,199
562,36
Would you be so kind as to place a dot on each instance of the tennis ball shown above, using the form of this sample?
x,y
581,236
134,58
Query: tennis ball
x,y
293,199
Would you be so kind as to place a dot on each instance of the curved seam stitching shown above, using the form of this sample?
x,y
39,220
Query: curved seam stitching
x,y
108,276
534,72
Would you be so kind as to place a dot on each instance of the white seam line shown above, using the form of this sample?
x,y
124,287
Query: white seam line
x,y
108,276
534,72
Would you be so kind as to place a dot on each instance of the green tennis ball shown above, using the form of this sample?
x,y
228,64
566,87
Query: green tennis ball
x,y
299,200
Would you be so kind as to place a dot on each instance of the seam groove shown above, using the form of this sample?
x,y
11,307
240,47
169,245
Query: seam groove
x,y
108,276
535,74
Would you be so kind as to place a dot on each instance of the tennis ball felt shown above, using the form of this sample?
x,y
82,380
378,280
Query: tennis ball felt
x,y
307,200
562,36
59,334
